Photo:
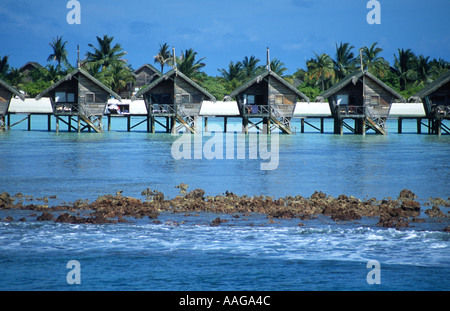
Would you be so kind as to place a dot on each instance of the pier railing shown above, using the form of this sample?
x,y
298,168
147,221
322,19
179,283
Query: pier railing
x,y
346,110
250,110
162,109
66,108
442,110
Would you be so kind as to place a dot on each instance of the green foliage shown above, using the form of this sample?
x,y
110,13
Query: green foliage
x,y
216,86
34,88
310,91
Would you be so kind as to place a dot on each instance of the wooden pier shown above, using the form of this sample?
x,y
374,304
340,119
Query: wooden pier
x,y
266,103
269,100
363,98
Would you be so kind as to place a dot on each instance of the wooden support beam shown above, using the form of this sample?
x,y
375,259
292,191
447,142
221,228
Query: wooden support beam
x,y
321,125
399,125
29,122
245,125
225,121
206,124
49,122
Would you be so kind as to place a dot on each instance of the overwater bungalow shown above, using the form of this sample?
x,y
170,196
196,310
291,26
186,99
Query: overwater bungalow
x,y
269,98
145,75
175,97
362,97
27,69
80,95
6,94
436,101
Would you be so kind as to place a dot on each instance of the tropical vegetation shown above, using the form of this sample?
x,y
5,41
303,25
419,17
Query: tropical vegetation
x,y
105,61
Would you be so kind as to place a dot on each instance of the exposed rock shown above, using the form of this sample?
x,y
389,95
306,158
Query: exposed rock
x,y
46,216
218,221
407,194
435,211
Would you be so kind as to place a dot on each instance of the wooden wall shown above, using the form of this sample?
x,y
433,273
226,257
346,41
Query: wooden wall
x,y
86,87
377,98
5,98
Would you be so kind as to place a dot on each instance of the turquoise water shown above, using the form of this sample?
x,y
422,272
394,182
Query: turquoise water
x,y
247,253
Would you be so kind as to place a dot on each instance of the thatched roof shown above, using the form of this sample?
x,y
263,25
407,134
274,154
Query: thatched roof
x,y
354,78
70,76
152,68
32,64
12,89
258,78
169,75
432,87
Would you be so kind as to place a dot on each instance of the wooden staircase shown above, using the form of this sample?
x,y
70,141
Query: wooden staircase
x,y
90,119
376,123
376,126
186,121
90,123
280,121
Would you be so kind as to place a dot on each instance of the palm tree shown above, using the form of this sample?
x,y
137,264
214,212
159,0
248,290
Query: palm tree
x,y
345,62
234,72
277,66
250,66
15,78
425,70
118,76
52,73
188,65
4,67
105,54
321,69
59,54
163,56
403,67
372,62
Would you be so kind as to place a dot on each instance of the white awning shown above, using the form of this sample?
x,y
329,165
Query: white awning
x,y
30,105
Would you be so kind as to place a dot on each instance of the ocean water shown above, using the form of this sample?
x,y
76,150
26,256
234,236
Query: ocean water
x,y
184,252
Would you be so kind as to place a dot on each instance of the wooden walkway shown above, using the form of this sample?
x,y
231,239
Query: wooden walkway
x,y
304,112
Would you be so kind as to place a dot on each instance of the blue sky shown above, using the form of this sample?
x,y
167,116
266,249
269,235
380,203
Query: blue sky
x,y
225,30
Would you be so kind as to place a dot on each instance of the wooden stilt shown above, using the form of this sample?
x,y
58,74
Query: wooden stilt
x,y
206,124
419,126
225,121
49,122
302,125
399,125
29,122
245,125
321,125
57,124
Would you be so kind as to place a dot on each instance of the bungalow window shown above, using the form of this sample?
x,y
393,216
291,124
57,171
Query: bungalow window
x,y
64,97
250,99
185,99
374,100
279,100
90,98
